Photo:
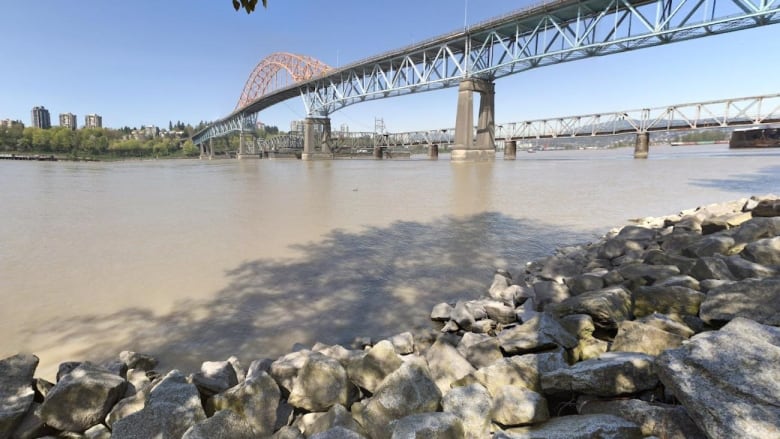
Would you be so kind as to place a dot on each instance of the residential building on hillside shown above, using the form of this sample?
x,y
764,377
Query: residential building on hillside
x,y
93,121
8,123
41,118
68,120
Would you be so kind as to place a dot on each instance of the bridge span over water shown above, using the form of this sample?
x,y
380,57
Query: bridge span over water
x,y
473,58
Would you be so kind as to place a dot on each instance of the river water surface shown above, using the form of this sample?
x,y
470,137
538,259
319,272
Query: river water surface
x,y
195,260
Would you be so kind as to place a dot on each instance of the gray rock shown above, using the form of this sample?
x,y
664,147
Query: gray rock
x,y
403,343
767,208
337,416
519,406
666,323
511,371
607,307
285,368
667,300
31,426
711,268
559,268
256,399
499,312
643,338
479,349
321,383
611,374
289,433
674,243
214,377
98,432
547,292
710,246
441,312
172,408
667,421
617,247
728,380
755,229
134,360
225,424
588,348
473,406
462,315
540,333
679,281
764,251
500,288
576,427
584,283
646,272
446,364
338,433
127,406
408,390
429,426
96,390
369,371
66,368
637,233
756,299
659,257
16,391
743,269
579,325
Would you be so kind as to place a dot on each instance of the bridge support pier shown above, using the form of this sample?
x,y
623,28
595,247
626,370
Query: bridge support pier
x,y
314,137
433,151
465,149
510,150
642,146
379,152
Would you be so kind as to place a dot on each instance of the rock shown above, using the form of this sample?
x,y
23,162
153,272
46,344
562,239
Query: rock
x,y
559,268
755,229
511,371
289,433
659,257
30,427
450,326
647,339
667,421
514,405
41,388
756,299
546,292
446,364
134,360
711,268
408,390
498,312
462,315
285,369
709,246
617,247
118,368
667,300
403,343
679,281
473,406
338,433
666,323
98,432
16,391
429,426
369,371
540,333
576,427
441,312
479,349
743,269
214,377
607,307
321,383
584,283
728,380
588,348
579,325
96,390
172,408
767,208
256,399
648,273
127,406
501,289
611,374
337,416
764,251
481,326
225,424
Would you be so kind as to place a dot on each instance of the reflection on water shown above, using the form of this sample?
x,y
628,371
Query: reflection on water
x,y
196,260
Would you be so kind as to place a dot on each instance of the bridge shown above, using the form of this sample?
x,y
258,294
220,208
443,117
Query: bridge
x,y
473,58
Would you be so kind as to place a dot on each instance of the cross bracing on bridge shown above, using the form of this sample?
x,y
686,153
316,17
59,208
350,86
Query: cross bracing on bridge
x,y
550,33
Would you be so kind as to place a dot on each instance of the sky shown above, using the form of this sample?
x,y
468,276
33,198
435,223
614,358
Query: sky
x,y
148,62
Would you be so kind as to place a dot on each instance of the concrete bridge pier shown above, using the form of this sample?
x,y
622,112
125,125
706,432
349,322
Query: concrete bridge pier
x,y
314,137
433,151
510,150
207,150
465,149
642,146
379,152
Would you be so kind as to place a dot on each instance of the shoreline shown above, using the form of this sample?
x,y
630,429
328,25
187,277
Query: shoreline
x,y
542,350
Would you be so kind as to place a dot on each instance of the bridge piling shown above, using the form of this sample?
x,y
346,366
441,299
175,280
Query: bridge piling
x,y
433,151
310,137
510,150
465,149
642,145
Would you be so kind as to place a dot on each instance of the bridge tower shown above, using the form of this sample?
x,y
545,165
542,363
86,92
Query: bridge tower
x,y
317,133
465,148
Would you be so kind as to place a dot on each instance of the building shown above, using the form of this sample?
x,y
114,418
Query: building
x,y
41,118
93,121
8,123
150,131
68,120
297,126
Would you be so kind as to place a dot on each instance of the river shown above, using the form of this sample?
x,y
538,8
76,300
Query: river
x,y
194,260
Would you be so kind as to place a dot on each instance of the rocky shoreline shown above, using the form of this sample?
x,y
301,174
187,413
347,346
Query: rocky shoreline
x,y
665,328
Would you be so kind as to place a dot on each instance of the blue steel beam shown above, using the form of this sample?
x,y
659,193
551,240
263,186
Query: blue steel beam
x,y
547,34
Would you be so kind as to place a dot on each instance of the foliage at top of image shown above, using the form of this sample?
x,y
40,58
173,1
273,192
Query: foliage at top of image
x,y
247,5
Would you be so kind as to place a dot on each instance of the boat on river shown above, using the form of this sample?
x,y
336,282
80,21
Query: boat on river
x,y
764,137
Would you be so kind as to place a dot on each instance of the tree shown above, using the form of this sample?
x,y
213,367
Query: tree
x,y
248,5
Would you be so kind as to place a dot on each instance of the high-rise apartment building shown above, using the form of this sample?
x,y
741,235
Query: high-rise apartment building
x,y
41,117
8,123
93,121
68,120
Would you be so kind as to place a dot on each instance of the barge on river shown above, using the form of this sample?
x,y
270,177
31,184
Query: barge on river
x,y
766,137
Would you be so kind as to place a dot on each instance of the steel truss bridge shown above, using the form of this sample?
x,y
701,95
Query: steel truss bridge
x,y
546,34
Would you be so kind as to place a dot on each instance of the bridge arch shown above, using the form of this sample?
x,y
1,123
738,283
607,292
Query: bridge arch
x,y
277,71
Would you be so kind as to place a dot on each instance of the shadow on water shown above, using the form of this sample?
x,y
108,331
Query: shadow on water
x,y
376,282
766,180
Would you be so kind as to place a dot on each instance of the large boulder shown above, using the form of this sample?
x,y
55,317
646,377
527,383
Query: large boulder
x,y
547,292
428,425
728,380
514,405
336,416
480,349
407,391
661,420
743,269
173,407
677,301
710,246
82,398
446,364
611,374
135,360
711,268
16,391
764,251
473,406
369,371
639,337
756,299
647,273
542,332
225,424
256,399
214,377
510,371
576,427
321,383
284,369
607,307
767,208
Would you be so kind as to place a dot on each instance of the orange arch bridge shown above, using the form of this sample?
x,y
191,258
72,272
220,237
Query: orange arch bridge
x,y
277,71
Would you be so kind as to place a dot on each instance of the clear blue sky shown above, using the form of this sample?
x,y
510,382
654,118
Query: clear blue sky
x,y
150,61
